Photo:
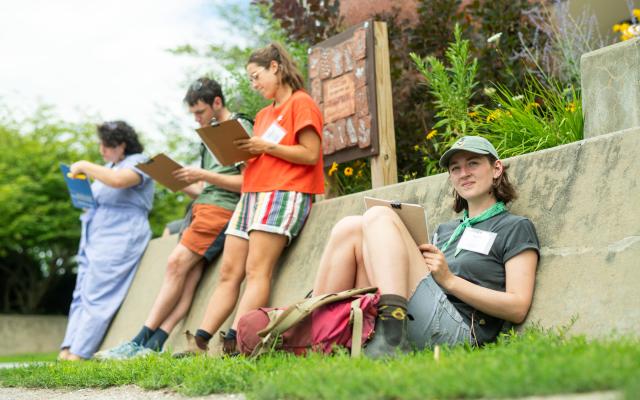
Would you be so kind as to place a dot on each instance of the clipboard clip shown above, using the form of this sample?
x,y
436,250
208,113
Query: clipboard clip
x,y
396,205
214,122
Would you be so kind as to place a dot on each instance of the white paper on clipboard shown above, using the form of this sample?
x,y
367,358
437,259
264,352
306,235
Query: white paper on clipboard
x,y
412,215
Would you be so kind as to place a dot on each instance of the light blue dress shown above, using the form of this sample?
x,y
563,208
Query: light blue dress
x,y
114,236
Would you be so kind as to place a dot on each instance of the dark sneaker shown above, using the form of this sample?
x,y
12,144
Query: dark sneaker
x,y
192,348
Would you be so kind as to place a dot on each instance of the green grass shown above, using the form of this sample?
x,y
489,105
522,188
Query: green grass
x,y
15,358
532,363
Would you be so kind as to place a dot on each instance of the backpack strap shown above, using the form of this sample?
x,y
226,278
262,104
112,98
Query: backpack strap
x,y
356,331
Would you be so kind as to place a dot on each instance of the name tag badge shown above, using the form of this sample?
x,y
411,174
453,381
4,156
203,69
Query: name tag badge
x,y
274,134
477,240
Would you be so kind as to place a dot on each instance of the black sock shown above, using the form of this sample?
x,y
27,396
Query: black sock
x,y
392,306
202,339
156,341
231,334
142,336
392,313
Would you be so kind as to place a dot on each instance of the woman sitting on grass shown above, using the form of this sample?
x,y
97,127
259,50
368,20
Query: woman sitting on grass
x,y
478,273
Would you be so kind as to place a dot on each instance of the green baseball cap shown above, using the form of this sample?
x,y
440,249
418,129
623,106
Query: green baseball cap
x,y
473,144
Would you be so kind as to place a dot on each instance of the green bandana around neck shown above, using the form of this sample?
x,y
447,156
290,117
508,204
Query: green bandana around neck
x,y
492,211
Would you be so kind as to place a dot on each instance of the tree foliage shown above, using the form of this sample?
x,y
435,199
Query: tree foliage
x,y
39,228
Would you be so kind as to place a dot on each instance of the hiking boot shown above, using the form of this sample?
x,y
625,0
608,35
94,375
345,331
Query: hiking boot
x,y
192,348
390,338
123,351
229,344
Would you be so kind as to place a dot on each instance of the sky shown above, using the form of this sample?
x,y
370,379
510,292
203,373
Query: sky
x,y
105,58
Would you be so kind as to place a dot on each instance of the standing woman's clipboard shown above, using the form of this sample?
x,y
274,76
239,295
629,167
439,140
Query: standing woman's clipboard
x,y
79,189
219,139
161,168
412,215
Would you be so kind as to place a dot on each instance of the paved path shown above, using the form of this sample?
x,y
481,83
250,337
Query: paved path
x,y
115,393
135,393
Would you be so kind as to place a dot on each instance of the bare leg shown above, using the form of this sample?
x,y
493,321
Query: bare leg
x,y
180,263
342,264
232,272
180,310
392,259
264,250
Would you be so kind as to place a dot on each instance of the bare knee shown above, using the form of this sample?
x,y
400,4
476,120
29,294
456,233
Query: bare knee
x,y
379,215
347,229
230,273
177,266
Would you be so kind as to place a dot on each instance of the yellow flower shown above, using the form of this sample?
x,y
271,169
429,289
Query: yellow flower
x,y
495,114
431,134
416,148
571,107
348,171
531,105
359,174
616,27
636,13
334,168
472,114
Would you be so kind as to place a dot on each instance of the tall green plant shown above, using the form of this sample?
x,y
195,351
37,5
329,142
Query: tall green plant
x,y
539,117
452,87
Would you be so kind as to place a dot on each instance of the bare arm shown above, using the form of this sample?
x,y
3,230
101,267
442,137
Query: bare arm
x,y
192,174
119,179
306,152
511,305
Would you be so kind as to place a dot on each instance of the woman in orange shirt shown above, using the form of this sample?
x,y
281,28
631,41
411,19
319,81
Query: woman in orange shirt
x,y
277,192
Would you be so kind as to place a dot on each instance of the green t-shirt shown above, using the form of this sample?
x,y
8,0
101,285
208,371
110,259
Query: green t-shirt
x,y
515,234
212,194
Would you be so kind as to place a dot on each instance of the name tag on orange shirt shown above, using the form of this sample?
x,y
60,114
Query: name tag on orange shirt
x,y
275,133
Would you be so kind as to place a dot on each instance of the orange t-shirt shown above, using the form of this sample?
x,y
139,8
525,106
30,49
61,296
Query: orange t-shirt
x,y
266,173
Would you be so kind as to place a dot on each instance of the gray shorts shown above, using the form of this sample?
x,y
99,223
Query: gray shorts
x,y
436,320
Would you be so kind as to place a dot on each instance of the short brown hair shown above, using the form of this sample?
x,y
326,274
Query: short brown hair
x,y
289,73
502,189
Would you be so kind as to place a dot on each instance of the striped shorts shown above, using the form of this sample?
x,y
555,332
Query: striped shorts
x,y
280,212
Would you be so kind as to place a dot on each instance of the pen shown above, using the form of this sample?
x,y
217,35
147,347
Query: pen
x,y
435,239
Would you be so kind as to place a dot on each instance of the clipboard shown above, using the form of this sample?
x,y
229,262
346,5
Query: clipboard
x,y
218,139
79,189
412,215
161,168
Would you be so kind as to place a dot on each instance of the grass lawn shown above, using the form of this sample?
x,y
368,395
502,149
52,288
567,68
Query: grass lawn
x,y
16,358
532,363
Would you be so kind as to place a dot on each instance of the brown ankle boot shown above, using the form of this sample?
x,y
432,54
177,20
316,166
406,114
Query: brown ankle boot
x,y
192,348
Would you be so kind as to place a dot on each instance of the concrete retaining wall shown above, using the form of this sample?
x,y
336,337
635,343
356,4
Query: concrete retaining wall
x,y
20,334
611,88
580,196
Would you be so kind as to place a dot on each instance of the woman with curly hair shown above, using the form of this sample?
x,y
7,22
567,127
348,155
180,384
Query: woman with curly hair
x,y
114,235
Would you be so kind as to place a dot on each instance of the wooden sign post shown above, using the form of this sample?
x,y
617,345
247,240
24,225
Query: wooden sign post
x,y
384,166
351,82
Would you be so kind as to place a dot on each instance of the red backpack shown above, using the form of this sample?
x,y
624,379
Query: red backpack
x,y
316,324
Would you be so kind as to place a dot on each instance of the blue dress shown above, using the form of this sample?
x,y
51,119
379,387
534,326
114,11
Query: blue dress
x,y
114,235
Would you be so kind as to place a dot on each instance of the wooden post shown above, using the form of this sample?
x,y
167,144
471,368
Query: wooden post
x,y
384,167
